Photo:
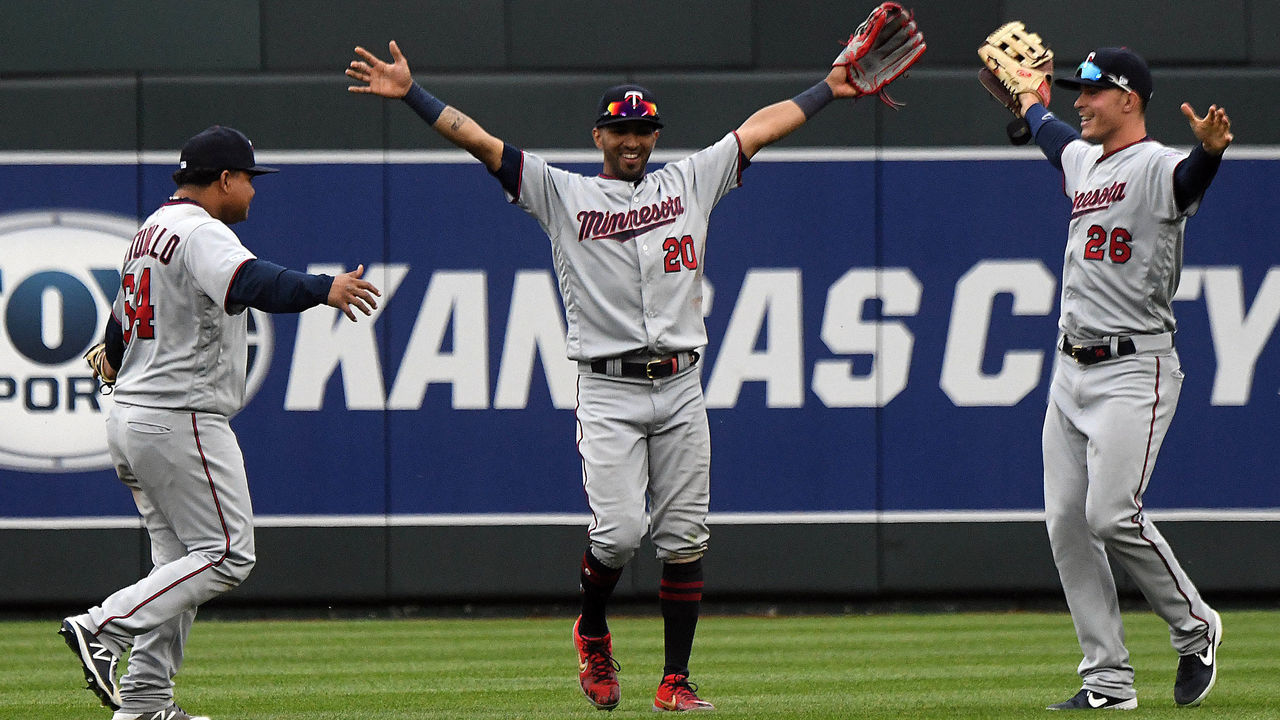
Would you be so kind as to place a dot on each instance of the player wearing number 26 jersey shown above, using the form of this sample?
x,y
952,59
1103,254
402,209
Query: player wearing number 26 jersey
x,y
1117,378
178,339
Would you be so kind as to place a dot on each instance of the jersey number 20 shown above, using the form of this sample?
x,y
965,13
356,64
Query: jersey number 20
x,y
138,309
680,253
1119,250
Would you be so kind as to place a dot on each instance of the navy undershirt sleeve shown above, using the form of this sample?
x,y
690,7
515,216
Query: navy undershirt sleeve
x,y
509,172
115,342
269,287
1051,134
1193,175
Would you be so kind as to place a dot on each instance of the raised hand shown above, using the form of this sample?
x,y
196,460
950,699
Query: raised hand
x,y
390,80
1213,130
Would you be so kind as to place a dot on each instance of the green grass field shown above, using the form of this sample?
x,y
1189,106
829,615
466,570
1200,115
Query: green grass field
x,y
955,665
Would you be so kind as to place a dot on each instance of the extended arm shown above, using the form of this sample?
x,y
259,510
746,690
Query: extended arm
x,y
271,288
773,122
1192,176
1050,133
393,80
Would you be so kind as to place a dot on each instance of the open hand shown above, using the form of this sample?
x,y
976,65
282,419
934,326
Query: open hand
x,y
1213,130
390,80
348,290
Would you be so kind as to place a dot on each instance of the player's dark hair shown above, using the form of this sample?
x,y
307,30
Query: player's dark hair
x,y
196,176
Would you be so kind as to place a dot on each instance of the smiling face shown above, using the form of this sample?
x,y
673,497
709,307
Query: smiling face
x,y
626,147
1110,114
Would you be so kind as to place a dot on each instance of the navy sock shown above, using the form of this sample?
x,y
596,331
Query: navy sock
x,y
680,595
598,581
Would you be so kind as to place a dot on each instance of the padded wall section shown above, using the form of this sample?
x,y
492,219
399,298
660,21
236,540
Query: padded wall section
x,y
62,114
276,112
308,35
37,36
590,35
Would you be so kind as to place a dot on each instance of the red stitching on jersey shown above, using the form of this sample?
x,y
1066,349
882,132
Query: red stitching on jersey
x,y
1138,518
577,405
226,534
1126,147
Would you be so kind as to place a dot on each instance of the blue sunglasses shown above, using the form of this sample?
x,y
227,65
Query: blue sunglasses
x,y
1089,71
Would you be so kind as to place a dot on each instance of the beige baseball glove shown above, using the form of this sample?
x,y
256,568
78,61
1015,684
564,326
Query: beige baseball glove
x,y
1017,62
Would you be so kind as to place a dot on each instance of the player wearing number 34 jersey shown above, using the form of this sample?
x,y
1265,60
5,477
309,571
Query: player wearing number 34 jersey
x,y
1117,378
178,338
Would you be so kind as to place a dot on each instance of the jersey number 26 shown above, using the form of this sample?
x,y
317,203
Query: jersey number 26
x,y
1119,250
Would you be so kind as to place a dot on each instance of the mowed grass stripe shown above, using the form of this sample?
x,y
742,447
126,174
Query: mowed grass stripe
x,y
956,665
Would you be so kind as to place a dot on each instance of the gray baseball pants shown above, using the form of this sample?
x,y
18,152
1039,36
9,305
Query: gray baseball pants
x,y
645,442
1102,432
188,480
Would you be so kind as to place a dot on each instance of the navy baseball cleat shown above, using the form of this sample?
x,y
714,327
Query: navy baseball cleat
x,y
1197,672
1090,700
98,662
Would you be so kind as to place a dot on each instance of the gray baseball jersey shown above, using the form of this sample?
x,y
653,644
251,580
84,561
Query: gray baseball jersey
x,y
1124,243
628,257
193,351
1108,417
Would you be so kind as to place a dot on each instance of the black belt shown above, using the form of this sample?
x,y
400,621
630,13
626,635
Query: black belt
x,y
651,370
1090,354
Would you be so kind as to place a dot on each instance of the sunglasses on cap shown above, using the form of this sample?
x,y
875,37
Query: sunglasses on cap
x,y
1089,71
631,108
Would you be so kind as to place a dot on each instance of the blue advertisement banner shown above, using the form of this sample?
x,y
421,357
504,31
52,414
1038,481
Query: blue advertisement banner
x,y
881,333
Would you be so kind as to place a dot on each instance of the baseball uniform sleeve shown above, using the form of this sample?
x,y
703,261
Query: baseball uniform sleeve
x,y
1161,191
541,189
1076,156
713,171
213,255
1192,176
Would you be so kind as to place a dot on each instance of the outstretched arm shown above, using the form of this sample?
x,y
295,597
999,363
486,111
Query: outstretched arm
x,y
1192,176
773,122
393,80
884,47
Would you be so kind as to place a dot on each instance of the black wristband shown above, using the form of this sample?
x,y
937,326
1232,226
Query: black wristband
x,y
814,99
427,106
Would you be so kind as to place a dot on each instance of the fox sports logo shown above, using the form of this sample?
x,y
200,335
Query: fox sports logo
x,y
59,274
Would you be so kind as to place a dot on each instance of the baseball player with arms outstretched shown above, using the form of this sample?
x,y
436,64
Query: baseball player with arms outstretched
x,y
1117,377
178,335
628,247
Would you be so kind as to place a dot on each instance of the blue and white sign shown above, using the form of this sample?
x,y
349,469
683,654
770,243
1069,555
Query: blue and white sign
x,y
881,339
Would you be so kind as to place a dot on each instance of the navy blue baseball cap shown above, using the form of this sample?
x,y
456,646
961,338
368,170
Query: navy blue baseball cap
x,y
621,103
1112,67
221,148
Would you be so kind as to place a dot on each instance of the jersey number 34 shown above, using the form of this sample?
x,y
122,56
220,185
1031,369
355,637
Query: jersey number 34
x,y
139,312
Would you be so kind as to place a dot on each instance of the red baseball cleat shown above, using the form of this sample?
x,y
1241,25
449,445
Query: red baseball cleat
x,y
677,694
597,670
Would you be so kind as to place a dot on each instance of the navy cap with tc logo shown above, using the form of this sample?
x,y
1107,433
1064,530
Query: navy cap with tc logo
x,y
621,103
221,148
